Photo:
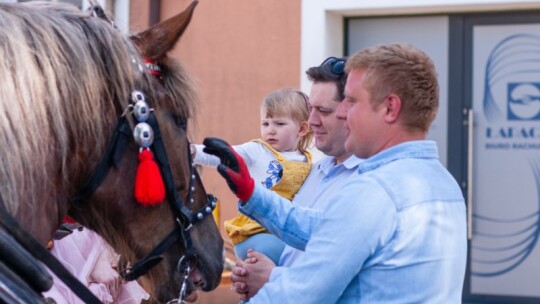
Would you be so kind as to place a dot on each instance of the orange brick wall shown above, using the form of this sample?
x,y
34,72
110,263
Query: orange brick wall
x,y
238,50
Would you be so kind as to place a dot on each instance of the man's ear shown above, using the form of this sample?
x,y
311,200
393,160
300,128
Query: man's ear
x,y
304,128
393,108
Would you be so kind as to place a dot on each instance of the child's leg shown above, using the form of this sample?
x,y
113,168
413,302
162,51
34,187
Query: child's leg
x,y
265,243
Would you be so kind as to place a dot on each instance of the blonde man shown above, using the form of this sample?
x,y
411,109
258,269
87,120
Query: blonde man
x,y
402,239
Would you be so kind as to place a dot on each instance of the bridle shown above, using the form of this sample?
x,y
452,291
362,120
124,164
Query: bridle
x,y
184,217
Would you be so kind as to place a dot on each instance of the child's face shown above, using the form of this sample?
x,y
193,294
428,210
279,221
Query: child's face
x,y
281,132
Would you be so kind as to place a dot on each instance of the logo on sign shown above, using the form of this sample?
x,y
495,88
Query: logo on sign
x,y
512,80
523,101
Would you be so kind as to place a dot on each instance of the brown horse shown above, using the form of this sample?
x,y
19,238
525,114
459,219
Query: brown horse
x,y
66,78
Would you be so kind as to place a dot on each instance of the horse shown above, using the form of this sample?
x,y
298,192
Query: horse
x,y
67,81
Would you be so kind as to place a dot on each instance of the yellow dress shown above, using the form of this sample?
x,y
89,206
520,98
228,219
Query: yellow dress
x,y
294,174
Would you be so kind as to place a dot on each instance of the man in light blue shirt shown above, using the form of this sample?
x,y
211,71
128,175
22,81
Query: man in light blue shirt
x,y
403,238
326,177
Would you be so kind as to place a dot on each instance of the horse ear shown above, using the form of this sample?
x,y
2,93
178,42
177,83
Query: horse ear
x,y
159,39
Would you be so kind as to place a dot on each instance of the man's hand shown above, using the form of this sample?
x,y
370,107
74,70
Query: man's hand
x,y
250,275
232,167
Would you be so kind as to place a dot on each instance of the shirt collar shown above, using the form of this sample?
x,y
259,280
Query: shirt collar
x,y
328,163
409,149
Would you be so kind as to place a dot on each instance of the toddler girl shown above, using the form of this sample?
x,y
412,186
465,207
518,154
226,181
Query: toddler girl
x,y
279,161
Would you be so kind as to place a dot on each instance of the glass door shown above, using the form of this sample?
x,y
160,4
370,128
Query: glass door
x,y
501,148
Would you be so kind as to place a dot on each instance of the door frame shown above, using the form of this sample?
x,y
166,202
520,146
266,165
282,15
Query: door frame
x,y
459,101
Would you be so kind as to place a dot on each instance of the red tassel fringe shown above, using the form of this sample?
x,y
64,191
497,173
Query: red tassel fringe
x,y
149,188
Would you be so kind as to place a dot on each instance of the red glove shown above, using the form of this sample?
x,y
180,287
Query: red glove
x,y
232,167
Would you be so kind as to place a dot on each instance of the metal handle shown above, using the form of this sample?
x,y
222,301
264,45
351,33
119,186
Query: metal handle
x,y
470,182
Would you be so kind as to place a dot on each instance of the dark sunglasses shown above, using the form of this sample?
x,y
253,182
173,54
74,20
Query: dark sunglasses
x,y
334,65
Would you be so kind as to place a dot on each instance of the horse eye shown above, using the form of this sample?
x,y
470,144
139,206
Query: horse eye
x,y
180,122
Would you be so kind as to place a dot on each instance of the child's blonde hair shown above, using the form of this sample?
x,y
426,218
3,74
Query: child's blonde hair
x,y
290,102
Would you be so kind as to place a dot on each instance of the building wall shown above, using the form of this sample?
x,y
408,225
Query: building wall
x,y
239,51
322,29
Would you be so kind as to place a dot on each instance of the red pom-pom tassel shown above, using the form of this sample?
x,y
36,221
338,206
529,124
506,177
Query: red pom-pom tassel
x,y
149,188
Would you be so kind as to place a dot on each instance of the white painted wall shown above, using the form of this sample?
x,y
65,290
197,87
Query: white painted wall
x,y
322,21
121,14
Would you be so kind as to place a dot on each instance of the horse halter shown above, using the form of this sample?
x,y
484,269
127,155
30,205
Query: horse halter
x,y
147,134
184,217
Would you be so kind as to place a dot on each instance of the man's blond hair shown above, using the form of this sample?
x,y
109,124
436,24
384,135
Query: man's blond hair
x,y
405,71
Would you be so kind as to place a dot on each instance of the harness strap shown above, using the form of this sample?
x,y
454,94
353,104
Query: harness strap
x,y
14,290
112,156
155,256
39,252
151,259
22,263
182,213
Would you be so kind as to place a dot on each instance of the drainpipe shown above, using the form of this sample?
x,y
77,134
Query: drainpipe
x,y
154,16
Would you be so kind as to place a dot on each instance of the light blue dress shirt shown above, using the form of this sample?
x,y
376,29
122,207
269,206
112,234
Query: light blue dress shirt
x,y
324,181
397,234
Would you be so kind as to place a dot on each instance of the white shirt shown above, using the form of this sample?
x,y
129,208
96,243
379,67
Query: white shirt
x,y
261,162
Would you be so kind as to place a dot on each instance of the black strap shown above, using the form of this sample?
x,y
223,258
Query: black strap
x,y
14,290
112,157
39,252
151,259
180,210
182,213
22,263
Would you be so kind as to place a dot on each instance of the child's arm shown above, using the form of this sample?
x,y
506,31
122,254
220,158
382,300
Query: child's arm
x,y
201,158
249,152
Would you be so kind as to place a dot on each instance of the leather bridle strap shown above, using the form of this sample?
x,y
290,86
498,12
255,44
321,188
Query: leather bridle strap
x,y
182,213
184,216
151,259
111,158
154,257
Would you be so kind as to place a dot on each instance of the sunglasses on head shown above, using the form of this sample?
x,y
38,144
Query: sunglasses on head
x,y
334,65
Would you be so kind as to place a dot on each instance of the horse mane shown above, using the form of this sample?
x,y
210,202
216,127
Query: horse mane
x,y
65,77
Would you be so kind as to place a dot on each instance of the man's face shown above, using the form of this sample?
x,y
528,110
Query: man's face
x,y
366,130
329,131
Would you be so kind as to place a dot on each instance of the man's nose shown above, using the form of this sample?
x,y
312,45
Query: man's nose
x,y
341,111
314,119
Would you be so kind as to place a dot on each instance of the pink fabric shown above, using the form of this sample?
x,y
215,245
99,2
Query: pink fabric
x,y
78,252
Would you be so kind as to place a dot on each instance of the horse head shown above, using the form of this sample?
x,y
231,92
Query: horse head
x,y
74,94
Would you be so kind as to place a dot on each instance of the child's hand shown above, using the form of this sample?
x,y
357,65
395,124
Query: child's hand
x,y
232,167
104,272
